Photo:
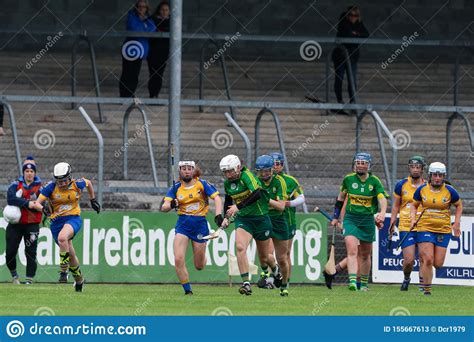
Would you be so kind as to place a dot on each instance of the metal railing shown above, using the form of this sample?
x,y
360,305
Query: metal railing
x,y
83,37
276,120
202,69
6,99
100,139
390,177
136,105
467,123
245,138
11,116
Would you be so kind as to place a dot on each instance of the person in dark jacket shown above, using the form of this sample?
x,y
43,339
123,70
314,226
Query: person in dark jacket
x,y
159,49
350,26
135,49
23,193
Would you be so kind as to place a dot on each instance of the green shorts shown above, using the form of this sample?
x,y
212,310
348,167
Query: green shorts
x,y
360,226
259,226
292,231
280,231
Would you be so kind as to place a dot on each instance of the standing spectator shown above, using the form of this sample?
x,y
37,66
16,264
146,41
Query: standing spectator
x,y
159,49
350,26
135,49
23,193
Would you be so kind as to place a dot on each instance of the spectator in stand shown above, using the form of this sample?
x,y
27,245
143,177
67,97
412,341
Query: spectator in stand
x,y
159,49
350,26
135,49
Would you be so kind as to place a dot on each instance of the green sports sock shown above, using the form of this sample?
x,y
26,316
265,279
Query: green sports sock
x,y
64,261
364,280
275,270
245,277
353,278
76,272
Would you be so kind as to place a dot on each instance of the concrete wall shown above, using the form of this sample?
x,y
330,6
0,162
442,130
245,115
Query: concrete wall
x,y
437,19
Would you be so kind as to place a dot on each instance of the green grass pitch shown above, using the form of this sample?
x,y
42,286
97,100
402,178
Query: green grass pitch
x,y
307,300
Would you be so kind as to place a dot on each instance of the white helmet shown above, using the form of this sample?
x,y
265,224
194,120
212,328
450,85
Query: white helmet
x,y
12,214
230,162
437,167
62,171
187,163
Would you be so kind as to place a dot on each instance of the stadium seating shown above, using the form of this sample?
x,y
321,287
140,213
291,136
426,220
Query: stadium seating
x,y
319,167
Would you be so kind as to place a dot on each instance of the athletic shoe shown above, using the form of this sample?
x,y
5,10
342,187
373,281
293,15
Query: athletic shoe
x,y
245,289
278,279
190,293
63,277
405,284
364,289
28,282
269,283
352,287
284,292
262,282
79,286
328,278
427,293
16,280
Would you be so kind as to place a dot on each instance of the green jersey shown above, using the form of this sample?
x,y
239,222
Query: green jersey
x,y
241,188
362,196
293,190
276,189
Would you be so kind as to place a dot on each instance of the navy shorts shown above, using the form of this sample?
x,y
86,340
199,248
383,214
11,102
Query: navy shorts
x,y
192,226
410,240
58,223
438,239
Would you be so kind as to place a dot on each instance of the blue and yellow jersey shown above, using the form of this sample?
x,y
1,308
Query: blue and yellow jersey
x,y
437,216
64,202
193,200
404,191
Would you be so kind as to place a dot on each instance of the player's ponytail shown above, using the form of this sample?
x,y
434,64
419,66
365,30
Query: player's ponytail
x,y
197,172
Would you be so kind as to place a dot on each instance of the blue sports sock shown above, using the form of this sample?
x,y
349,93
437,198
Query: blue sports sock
x,y
358,285
186,287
